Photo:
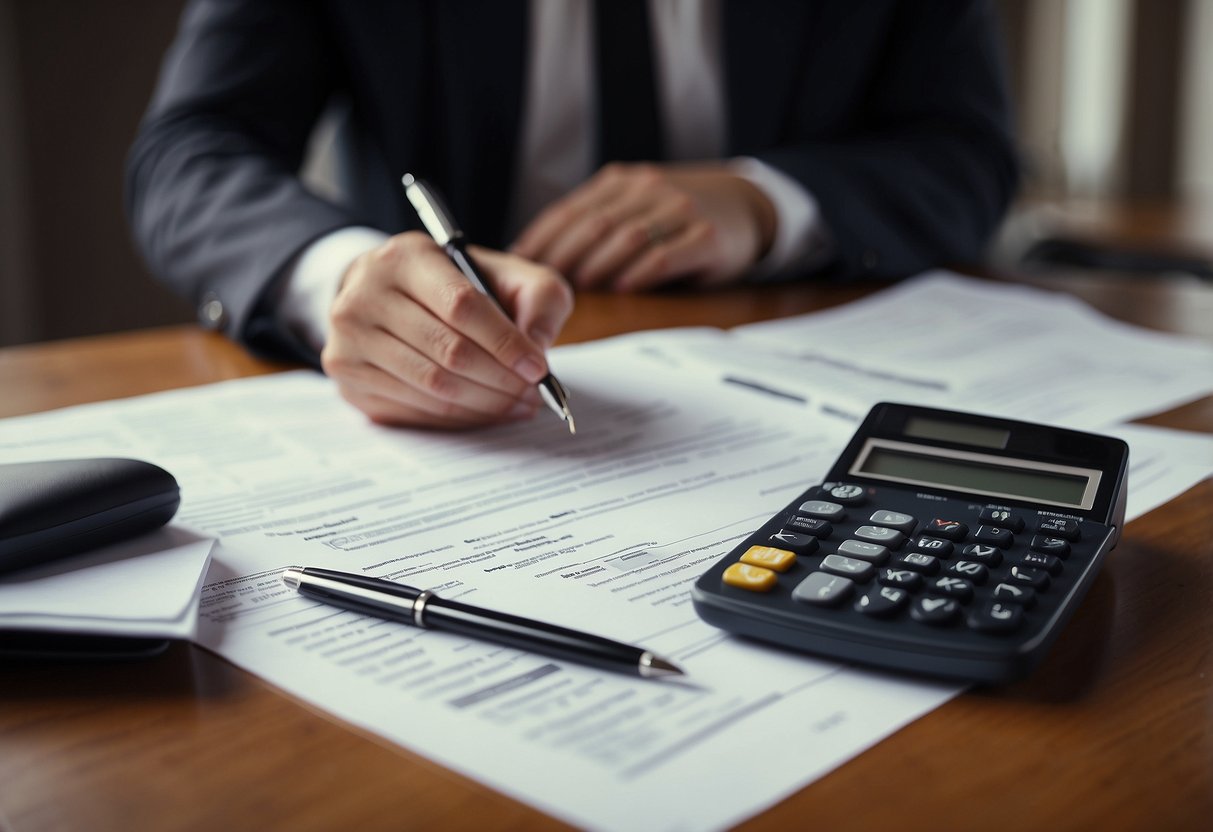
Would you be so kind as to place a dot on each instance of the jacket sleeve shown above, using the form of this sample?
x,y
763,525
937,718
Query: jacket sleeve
x,y
212,188
927,167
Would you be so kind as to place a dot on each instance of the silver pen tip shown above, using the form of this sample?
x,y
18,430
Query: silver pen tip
x,y
568,417
291,576
654,667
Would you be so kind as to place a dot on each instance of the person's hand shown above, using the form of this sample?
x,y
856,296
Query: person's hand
x,y
634,227
412,342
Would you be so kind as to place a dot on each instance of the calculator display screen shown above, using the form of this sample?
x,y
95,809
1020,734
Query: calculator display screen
x,y
983,474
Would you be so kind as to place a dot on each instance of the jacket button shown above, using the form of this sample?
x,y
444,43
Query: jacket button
x,y
211,313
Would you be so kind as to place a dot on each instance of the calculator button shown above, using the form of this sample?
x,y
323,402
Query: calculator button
x,y
780,560
904,578
822,589
975,572
1060,527
936,611
860,570
927,564
1050,545
1002,538
809,525
1001,517
957,588
904,523
753,578
1035,578
879,534
996,617
1023,595
950,529
801,544
982,553
846,493
871,552
933,546
823,509
882,601
1036,560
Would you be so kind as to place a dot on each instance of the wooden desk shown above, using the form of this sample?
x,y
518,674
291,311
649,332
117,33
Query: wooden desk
x,y
1114,730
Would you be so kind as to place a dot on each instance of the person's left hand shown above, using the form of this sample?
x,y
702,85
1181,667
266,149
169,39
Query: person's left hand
x,y
633,227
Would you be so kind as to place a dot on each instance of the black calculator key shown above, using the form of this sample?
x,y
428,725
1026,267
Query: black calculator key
x,y
809,525
1025,596
1036,578
934,610
823,509
904,523
993,535
926,564
801,544
970,570
846,493
933,546
904,578
950,529
871,552
1059,527
982,553
957,588
823,589
996,617
1050,545
879,534
882,601
860,570
1036,560
1002,518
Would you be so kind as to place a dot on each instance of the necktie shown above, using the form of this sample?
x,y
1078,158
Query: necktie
x,y
629,128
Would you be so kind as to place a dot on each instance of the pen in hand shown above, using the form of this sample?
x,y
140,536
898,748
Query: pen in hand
x,y
441,226
422,608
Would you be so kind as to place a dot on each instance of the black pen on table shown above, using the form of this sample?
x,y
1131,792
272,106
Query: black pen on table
x,y
422,608
441,226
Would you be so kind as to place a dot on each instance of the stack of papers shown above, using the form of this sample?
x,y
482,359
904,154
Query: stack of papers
x,y
686,439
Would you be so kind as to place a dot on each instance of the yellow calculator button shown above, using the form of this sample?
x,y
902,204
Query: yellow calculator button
x,y
780,560
753,578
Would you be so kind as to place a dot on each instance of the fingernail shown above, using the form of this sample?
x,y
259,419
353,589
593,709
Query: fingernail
x,y
542,337
530,368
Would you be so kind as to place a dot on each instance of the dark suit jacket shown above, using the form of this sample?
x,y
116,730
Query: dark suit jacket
x,y
893,114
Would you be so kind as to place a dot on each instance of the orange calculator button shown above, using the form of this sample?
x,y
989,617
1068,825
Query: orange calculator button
x,y
753,578
780,560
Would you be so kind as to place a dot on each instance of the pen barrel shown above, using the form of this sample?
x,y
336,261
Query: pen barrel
x,y
358,593
530,635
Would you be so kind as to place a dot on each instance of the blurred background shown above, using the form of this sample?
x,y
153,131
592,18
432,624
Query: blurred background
x,y
1114,102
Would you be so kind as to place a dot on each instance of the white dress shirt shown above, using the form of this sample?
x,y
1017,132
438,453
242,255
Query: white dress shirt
x,y
556,151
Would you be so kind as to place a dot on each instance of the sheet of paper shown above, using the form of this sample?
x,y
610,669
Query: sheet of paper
x,y
146,587
948,341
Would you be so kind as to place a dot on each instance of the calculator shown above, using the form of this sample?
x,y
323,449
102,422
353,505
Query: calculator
x,y
942,543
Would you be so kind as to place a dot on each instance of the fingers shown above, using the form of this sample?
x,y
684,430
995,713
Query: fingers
x,y
413,342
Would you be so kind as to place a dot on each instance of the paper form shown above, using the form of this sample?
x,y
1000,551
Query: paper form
x,y
948,341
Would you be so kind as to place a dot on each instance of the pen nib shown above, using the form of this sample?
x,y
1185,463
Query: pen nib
x,y
652,667
568,417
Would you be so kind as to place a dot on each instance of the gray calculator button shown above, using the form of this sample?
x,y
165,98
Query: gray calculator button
x,y
823,509
894,519
847,493
879,534
872,552
860,570
822,589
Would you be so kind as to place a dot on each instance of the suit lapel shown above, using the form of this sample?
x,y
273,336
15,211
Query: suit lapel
x,y
762,49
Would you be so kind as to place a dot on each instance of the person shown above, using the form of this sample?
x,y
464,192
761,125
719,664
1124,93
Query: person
x,y
621,145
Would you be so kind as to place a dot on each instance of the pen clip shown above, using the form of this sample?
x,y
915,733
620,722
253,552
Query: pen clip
x,y
430,208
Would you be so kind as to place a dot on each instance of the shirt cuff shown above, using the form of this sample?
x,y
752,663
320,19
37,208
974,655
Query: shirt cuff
x,y
314,278
802,240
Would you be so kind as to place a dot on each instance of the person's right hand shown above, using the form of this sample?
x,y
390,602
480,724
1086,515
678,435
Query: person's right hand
x,y
412,342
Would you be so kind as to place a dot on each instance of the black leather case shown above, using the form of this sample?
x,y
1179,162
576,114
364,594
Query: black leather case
x,y
54,509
